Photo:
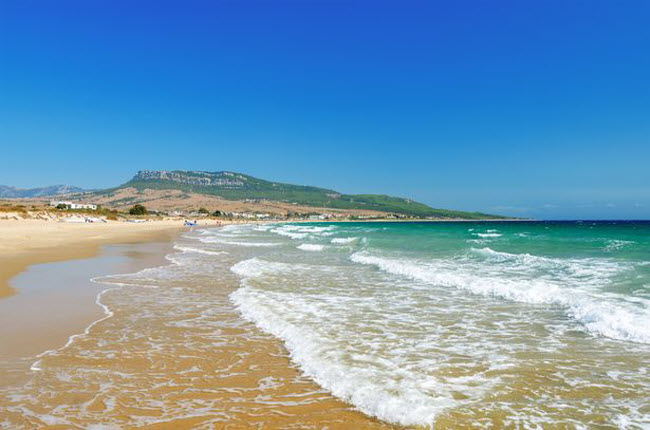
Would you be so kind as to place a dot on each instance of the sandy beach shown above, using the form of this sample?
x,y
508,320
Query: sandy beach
x,y
25,242
49,300
51,263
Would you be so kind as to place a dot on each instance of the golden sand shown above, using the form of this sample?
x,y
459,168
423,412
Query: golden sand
x,y
213,372
25,242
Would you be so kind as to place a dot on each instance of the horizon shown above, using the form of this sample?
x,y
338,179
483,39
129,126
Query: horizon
x,y
536,111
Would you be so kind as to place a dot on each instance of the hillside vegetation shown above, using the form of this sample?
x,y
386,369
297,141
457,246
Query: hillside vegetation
x,y
237,186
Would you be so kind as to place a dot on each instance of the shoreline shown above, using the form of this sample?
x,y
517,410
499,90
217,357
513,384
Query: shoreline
x,y
141,255
262,355
59,301
29,242
47,294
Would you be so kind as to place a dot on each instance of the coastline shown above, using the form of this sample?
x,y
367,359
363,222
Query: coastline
x,y
261,358
185,343
58,301
28,242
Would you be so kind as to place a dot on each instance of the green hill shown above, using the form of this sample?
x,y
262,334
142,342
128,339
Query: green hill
x,y
237,186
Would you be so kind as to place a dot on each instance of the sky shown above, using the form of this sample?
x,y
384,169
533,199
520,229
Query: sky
x,y
533,109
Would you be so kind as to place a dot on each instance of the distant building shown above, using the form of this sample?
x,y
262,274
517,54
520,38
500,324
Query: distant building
x,y
72,205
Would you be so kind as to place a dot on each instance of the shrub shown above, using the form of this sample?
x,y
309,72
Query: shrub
x,y
62,206
138,210
217,213
204,211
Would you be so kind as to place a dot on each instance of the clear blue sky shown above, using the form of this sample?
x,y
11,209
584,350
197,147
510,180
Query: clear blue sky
x,y
532,108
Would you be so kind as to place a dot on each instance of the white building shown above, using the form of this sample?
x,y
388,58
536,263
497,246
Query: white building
x,y
72,205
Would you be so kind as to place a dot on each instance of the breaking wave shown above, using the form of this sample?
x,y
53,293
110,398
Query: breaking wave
x,y
571,284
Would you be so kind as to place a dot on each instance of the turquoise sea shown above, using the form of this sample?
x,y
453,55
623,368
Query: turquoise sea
x,y
502,323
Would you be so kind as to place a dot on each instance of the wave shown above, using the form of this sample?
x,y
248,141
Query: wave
x,y
253,244
302,231
184,248
402,402
289,233
583,272
256,267
312,326
238,243
489,234
571,284
615,245
344,240
311,247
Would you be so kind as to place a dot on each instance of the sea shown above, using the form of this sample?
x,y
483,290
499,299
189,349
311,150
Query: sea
x,y
517,324
534,322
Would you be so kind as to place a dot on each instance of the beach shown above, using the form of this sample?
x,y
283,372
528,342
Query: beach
x,y
54,304
57,296
336,325
26,242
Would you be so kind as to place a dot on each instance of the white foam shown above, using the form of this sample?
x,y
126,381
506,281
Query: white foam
x,y
184,248
615,245
302,231
289,233
344,240
391,393
240,243
572,284
255,267
313,326
311,247
484,235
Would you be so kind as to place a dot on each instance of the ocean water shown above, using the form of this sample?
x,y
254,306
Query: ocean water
x,y
509,323
445,325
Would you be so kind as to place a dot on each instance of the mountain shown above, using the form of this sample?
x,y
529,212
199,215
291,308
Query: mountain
x,y
53,190
237,186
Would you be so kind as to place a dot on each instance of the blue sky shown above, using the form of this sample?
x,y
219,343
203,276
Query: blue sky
x,y
525,108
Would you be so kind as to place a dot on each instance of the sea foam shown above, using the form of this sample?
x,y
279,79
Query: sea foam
x,y
344,240
311,247
184,248
385,387
571,284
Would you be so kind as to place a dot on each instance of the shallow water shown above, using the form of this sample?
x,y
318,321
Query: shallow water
x,y
434,324
457,323
171,351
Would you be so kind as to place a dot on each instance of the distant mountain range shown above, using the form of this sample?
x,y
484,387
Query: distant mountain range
x,y
8,192
237,186
240,187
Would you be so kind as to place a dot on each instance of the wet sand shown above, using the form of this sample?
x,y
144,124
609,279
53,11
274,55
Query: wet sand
x,y
175,367
57,300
